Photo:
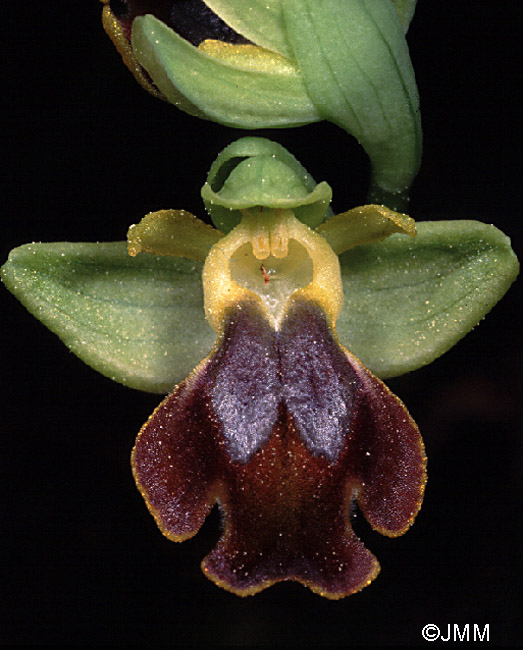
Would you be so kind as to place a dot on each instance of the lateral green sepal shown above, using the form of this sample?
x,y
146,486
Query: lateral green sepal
x,y
139,321
409,300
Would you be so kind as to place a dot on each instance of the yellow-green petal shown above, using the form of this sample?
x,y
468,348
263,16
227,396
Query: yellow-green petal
x,y
172,232
366,224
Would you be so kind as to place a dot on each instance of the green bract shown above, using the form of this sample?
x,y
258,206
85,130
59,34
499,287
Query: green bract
x,y
359,75
345,61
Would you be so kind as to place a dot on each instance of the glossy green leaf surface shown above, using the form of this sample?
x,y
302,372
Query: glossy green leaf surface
x,y
409,300
128,318
357,70
249,95
260,21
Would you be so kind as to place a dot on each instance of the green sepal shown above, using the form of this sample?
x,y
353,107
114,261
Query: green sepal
x,y
236,181
243,96
355,63
409,300
261,21
405,10
139,321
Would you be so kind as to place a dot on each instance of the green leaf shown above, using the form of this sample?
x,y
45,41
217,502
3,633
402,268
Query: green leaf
x,y
259,91
260,21
357,70
139,321
409,300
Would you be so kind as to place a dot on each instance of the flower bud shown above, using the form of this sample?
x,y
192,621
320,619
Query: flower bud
x,y
269,63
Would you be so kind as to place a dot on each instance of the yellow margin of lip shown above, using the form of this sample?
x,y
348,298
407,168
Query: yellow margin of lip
x,y
251,591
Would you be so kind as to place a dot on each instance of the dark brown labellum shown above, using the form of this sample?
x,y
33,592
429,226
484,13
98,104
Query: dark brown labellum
x,y
191,19
285,430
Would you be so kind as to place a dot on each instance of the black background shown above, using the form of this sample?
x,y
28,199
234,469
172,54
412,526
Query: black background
x,y
88,152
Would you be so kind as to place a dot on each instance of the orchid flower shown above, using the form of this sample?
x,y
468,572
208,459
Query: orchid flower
x,y
282,63
284,423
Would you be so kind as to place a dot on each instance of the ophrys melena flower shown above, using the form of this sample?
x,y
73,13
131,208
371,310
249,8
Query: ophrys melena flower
x,y
259,323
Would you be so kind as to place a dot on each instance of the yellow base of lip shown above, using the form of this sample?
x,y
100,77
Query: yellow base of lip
x,y
221,290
